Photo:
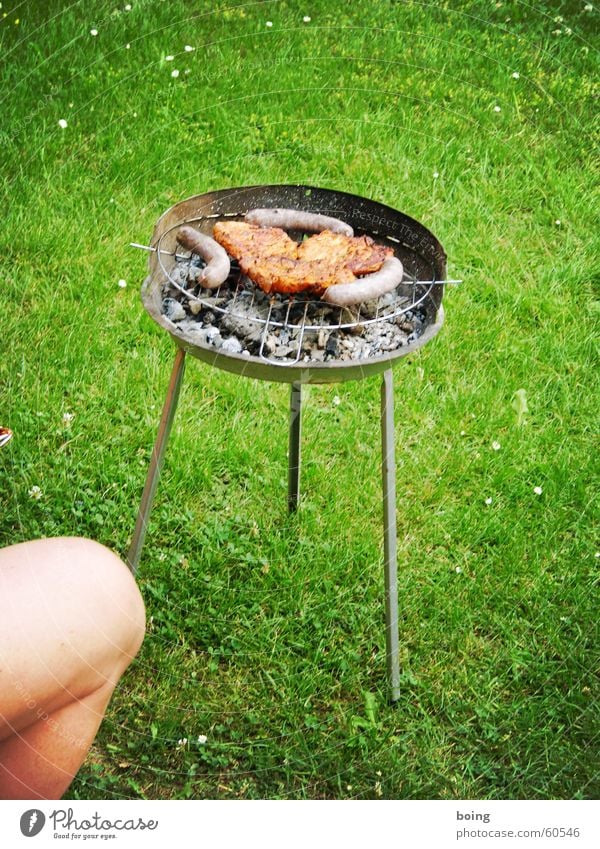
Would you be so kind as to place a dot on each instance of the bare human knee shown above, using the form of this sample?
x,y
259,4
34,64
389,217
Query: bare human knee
x,y
73,619
116,598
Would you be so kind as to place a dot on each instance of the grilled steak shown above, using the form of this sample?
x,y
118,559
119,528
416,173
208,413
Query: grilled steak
x,y
277,263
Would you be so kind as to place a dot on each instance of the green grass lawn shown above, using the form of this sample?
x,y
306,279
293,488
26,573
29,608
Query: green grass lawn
x,y
266,633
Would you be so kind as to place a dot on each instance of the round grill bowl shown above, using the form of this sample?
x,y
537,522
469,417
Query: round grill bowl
x,y
420,252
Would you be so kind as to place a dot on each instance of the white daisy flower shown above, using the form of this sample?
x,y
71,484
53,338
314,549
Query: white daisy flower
x,y
94,32
68,418
122,284
306,19
169,58
127,46
436,174
35,492
175,73
188,48
458,570
558,222
128,7
63,124
516,75
202,738
269,23
336,400
497,109
538,490
496,446
488,500
588,7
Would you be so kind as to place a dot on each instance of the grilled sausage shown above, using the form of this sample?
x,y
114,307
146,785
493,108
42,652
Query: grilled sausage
x,y
295,219
366,288
217,261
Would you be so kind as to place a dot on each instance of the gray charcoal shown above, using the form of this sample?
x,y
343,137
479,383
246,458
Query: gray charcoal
x,y
241,311
173,310
237,326
193,274
387,300
212,301
270,343
332,348
232,345
254,339
211,334
296,313
255,336
178,275
284,351
200,335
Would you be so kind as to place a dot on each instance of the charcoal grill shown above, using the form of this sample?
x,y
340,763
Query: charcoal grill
x,y
424,261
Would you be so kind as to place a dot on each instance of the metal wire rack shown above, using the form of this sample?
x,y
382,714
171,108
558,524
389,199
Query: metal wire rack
x,y
239,296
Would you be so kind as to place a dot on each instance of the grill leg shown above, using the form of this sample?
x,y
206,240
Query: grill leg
x,y
162,437
388,470
294,446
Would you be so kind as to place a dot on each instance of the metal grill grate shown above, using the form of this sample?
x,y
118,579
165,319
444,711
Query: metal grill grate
x,y
292,313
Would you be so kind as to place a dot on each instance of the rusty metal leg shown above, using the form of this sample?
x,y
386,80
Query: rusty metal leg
x,y
388,469
294,446
162,437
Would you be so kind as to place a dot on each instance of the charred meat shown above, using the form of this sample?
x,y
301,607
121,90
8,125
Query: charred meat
x,y
276,263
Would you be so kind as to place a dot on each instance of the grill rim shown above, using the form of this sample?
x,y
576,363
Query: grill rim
x,y
350,207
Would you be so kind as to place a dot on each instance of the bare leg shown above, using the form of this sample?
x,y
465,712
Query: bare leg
x,y
40,761
73,620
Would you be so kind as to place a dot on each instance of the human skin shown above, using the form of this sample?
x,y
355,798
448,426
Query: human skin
x,y
71,621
